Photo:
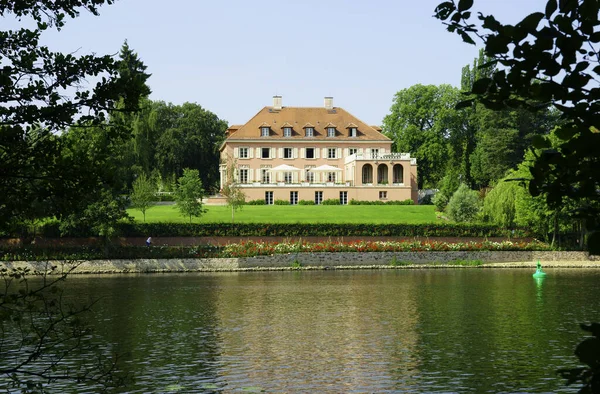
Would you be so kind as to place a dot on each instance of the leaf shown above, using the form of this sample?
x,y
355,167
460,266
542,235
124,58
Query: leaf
x,y
464,5
466,38
481,85
551,6
540,142
565,132
464,104
531,21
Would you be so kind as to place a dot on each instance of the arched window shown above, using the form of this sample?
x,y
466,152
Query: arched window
x,y
367,174
382,173
398,173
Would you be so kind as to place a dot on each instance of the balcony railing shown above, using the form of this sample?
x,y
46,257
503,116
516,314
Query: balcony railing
x,y
380,156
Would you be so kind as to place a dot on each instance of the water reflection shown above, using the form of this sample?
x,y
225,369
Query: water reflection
x,y
461,330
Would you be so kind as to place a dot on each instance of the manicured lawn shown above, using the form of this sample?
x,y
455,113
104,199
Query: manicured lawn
x,y
297,214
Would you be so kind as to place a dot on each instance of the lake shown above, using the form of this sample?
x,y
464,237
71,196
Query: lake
x,y
425,330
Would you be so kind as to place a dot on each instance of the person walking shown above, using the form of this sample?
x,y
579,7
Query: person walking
x,y
148,241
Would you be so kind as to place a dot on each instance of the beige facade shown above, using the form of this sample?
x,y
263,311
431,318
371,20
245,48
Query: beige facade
x,y
308,153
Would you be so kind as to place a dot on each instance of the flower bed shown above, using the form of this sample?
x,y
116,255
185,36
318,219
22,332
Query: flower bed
x,y
251,249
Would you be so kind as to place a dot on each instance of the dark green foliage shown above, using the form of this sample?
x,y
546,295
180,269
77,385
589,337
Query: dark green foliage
x,y
548,57
378,202
588,353
306,202
256,202
299,229
331,201
281,202
189,194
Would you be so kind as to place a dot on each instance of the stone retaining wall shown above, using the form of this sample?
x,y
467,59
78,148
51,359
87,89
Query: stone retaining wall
x,y
326,260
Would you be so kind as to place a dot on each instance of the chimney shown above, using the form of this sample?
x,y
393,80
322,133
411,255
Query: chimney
x,y
277,102
329,103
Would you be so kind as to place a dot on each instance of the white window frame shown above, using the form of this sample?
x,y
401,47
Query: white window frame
x,y
293,198
262,153
288,153
329,153
288,177
318,197
353,132
331,176
383,195
244,153
310,176
309,132
331,132
375,153
352,151
265,131
265,175
243,175
287,131
344,198
268,198
314,153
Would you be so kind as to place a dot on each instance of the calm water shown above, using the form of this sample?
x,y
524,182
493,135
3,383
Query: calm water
x,y
459,330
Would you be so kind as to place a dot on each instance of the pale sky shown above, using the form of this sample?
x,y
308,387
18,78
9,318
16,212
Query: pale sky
x,y
232,56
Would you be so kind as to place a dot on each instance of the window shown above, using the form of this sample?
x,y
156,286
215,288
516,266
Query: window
x,y
352,131
265,153
310,176
398,173
344,198
331,132
318,198
287,153
264,131
374,153
331,177
287,131
310,153
383,195
269,198
331,153
352,151
266,175
243,175
243,153
310,132
293,198
367,174
287,177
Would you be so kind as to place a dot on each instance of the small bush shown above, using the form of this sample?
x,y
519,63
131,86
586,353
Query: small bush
x,y
282,202
379,202
306,202
464,205
256,202
331,201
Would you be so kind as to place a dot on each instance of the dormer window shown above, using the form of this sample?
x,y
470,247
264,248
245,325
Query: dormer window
x,y
264,131
287,131
331,132
310,132
353,131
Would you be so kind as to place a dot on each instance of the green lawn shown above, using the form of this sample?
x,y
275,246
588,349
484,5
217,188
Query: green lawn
x,y
297,214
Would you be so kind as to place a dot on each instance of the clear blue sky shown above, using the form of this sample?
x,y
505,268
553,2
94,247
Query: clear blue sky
x,y
232,56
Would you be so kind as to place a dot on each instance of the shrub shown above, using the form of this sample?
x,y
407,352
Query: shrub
x,y
464,205
440,200
256,202
331,201
379,202
282,202
306,202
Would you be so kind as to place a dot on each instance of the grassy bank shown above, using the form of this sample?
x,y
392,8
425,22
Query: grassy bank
x,y
364,214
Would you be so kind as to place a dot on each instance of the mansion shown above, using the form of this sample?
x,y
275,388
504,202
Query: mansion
x,y
315,153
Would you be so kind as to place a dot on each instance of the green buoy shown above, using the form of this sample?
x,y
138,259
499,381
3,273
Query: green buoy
x,y
538,272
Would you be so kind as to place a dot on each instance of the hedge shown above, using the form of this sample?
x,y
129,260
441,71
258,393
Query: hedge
x,y
298,230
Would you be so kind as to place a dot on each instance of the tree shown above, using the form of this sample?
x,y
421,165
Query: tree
x,y
234,195
40,332
142,196
464,205
548,57
41,95
189,193
420,121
